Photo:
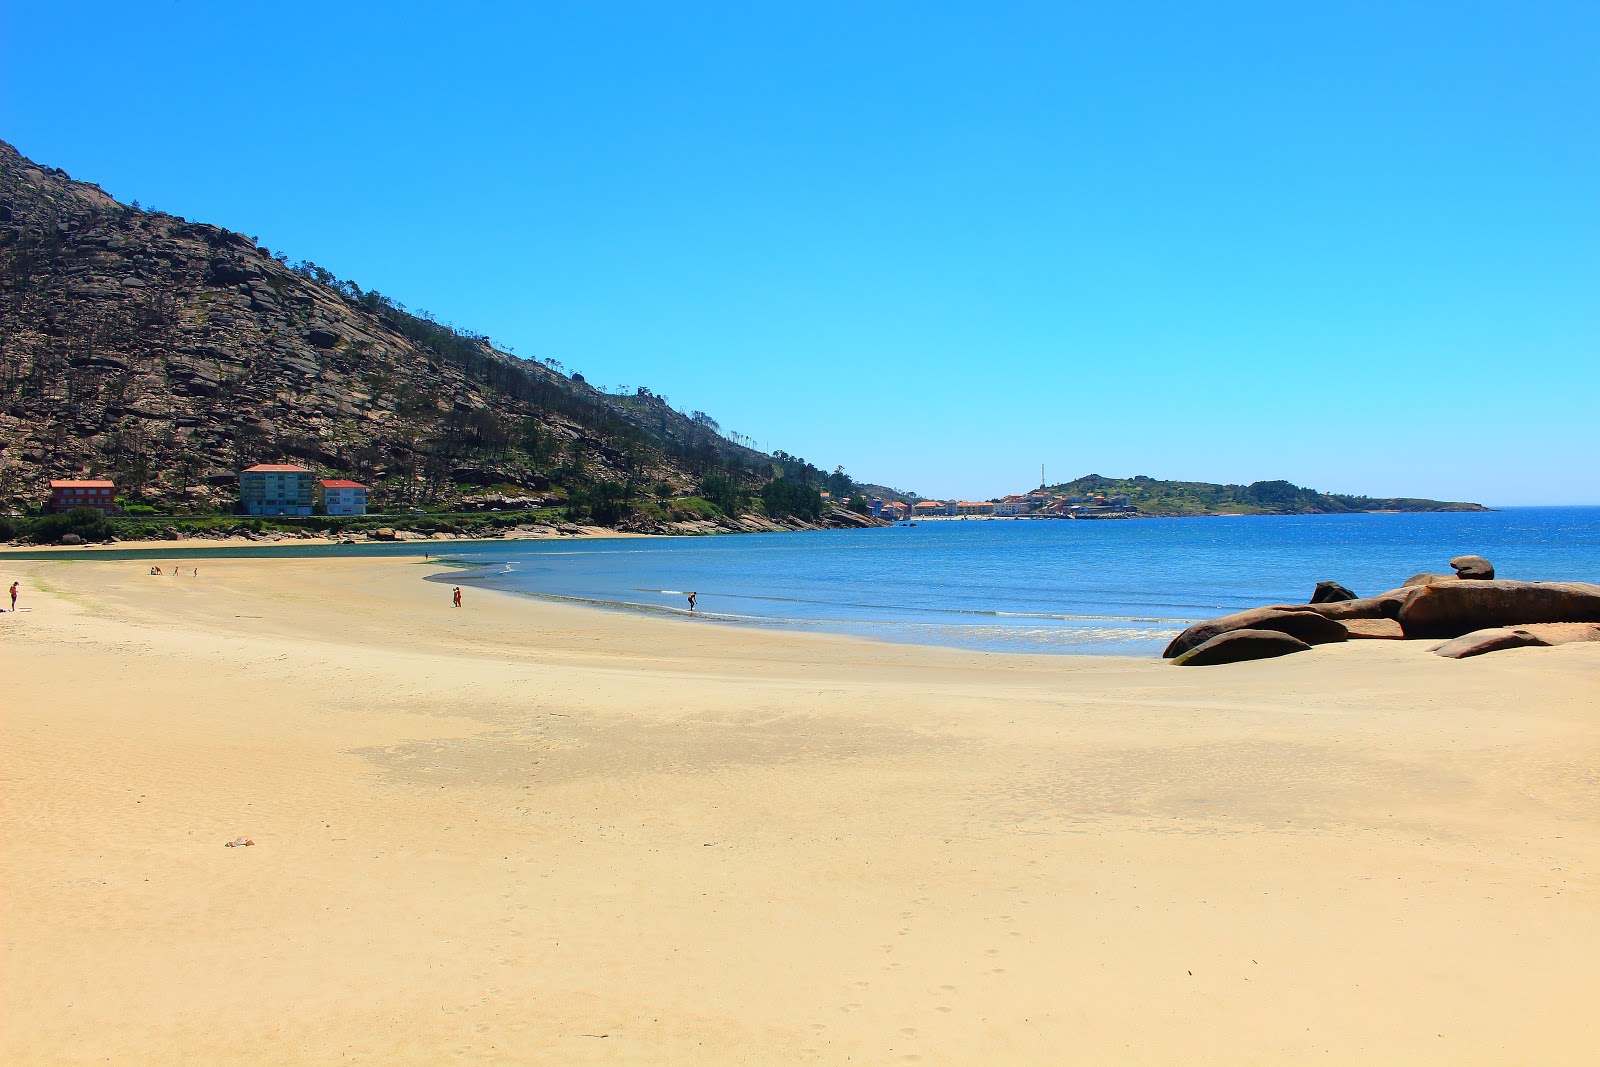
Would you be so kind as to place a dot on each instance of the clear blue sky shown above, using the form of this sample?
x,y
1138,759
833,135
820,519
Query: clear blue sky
x,y
1355,247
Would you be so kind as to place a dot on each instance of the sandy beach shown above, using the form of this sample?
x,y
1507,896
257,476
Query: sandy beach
x,y
532,833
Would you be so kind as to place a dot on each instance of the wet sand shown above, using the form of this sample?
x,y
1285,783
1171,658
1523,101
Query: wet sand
x,y
533,833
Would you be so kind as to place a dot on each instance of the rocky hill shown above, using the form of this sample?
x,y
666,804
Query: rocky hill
x,y
167,355
1155,496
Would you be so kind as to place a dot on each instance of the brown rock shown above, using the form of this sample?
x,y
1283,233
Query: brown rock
x,y
1427,579
1235,646
383,533
1374,629
1331,593
1495,639
1383,606
1307,626
1450,609
1563,633
1473,568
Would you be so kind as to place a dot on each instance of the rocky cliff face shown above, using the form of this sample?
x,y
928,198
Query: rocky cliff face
x,y
168,355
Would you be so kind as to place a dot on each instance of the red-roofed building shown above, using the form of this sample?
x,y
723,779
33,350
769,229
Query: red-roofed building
x,y
341,497
67,493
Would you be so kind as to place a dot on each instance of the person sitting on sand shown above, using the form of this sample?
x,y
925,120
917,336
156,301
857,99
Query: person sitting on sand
x,y
155,570
692,598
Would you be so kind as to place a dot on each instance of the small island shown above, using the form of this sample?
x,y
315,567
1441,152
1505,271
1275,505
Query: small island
x,y
1095,496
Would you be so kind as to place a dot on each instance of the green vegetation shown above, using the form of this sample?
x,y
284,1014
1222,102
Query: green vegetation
x,y
86,523
727,495
1152,496
784,497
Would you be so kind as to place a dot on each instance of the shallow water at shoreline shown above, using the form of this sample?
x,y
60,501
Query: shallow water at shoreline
x,y
1107,588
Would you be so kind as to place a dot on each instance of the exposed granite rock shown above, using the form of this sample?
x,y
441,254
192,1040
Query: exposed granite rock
x,y
1427,579
1306,626
1453,608
1473,568
1373,629
1331,593
1383,606
1236,646
1563,633
1479,642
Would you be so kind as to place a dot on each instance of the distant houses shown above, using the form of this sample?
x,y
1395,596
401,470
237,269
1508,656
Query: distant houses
x,y
1039,503
338,496
69,493
276,489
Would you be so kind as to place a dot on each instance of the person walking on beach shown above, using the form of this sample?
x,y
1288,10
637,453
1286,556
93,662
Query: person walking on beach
x,y
14,597
692,598
457,595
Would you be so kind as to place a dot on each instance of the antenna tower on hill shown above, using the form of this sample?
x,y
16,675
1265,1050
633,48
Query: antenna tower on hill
x,y
1041,476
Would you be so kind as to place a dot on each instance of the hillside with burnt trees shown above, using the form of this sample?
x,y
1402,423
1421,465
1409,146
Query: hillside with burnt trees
x,y
167,355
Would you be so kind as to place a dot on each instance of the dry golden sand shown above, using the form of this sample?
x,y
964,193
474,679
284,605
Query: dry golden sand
x,y
523,832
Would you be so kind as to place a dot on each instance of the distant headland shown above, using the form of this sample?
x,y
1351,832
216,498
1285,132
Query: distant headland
x,y
1097,497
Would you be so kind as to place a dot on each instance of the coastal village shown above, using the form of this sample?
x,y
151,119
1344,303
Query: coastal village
x,y
1038,504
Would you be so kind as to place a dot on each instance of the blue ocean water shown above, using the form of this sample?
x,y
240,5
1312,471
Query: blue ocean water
x,y
1109,587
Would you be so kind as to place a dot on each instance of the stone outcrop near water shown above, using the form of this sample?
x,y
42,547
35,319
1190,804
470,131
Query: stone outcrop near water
x,y
1476,611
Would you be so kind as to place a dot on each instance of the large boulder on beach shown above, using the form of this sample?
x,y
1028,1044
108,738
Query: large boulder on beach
x,y
383,533
1383,606
1473,568
1373,629
1306,626
1331,593
1494,639
71,539
1453,608
1427,579
1563,633
1235,646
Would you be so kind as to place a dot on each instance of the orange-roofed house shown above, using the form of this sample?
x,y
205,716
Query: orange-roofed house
x,y
339,496
276,489
68,493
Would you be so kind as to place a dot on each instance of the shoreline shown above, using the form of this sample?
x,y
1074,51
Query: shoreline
x,y
701,529
501,831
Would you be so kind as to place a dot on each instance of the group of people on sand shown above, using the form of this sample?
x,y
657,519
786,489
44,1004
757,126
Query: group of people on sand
x,y
195,572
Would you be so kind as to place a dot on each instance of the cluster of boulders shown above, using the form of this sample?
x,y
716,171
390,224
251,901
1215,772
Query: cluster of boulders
x,y
1477,612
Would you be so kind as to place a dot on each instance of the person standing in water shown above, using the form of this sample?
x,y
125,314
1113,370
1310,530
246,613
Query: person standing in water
x,y
692,598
